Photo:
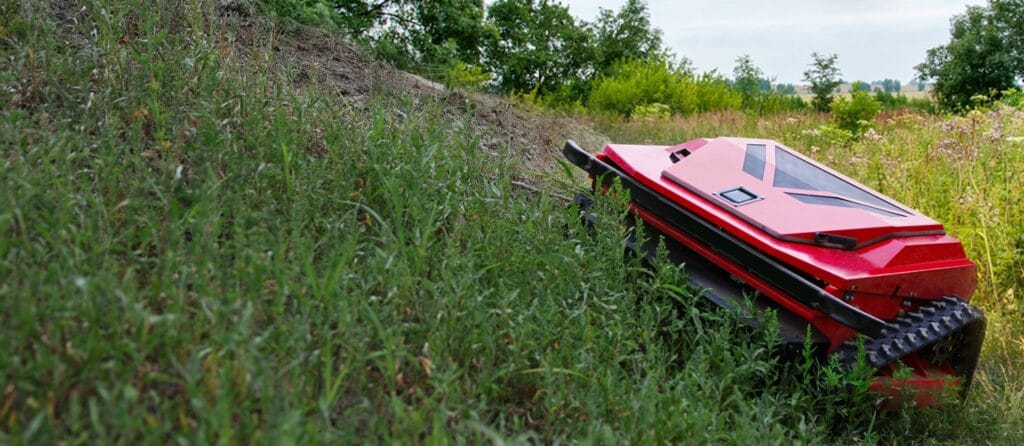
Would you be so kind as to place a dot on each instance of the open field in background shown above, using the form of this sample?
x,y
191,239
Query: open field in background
x,y
915,94
910,94
200,245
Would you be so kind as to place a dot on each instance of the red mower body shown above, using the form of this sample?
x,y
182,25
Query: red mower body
x,y
824,251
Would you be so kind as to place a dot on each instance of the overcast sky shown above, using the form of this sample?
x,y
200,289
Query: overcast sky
x,y
875,39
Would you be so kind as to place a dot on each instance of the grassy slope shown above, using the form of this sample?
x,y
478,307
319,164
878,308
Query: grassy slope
x,y
194,250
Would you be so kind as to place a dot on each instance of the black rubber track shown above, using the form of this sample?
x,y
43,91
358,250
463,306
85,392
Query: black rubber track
x,y
948,322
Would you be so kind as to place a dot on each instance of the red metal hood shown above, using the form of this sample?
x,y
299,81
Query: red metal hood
x,y
782,192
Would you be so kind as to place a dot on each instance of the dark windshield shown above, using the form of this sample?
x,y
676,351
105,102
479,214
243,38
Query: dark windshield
x,y
795,173
753,162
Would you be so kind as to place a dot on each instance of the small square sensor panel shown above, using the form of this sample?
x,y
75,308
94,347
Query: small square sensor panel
x,y
738,196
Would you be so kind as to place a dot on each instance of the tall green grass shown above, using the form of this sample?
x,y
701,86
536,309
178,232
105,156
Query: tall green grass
x,y
193,250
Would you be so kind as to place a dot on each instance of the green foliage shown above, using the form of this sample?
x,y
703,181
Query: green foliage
x,y
449,24
536,50
757,92
899,101
653,111
407,33
1010,15
891,101
705,93
777,102
564,98
891,86
395,52
535,44
1013,98
460,75
854,114
983,58
787,89
320,13
824,79
637,83
626,34
746,80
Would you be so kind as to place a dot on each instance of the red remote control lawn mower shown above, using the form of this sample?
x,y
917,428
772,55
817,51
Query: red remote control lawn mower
x,y
831,257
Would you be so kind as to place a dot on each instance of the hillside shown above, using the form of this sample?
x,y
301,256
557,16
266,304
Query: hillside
x,y
315,59
223,229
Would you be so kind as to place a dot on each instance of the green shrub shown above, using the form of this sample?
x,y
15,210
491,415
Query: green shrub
x,y
891,101
1013,98
712,93
653,112
776,102
634,83
567,97
896,101
460,75
923,105
854,114
637,83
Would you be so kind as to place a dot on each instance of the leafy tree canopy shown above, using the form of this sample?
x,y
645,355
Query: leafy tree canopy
x,y
891,86
747,79
626,34
456,24
984,56
823,75
535,44
407,32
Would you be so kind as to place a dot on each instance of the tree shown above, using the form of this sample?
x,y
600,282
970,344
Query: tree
x,y
785,88
406,32
534,45
358,17
1010,16
747,80
824,79
626,34
891,86
984,56
450,26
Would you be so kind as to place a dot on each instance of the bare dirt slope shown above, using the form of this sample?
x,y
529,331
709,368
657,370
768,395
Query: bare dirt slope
x,y
534,136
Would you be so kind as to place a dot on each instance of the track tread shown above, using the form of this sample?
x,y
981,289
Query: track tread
x,y
927,325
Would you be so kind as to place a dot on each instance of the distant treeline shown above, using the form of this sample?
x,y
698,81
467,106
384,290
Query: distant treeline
x,y
538,51
617,63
